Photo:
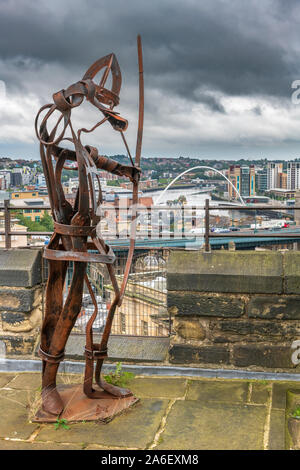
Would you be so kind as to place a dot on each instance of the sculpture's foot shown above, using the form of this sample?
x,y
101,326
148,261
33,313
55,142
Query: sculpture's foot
x,y
78,407
52,403
114,390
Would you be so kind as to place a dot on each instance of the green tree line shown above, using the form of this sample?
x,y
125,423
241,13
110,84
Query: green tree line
x,y
44,225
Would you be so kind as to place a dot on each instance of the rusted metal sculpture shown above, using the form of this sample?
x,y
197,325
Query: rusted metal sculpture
x,y
74,225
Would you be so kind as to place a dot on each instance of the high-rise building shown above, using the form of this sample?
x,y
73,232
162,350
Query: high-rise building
x,y
274,170
243,179
293,175
262,180
16,178
282,180
5,175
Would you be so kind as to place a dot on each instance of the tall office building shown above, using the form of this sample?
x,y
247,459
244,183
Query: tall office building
x,y
16,178
262,180
274,170
282,180
293,175
243,179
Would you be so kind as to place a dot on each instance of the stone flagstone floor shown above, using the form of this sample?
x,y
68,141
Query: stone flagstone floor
x,y
173,413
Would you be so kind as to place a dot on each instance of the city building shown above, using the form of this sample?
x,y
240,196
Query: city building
x,y
283,193
273,171
24,194
40,180
243,179
143,184
293,175
262,180
276,177
17,241
282,180
5,179
31,203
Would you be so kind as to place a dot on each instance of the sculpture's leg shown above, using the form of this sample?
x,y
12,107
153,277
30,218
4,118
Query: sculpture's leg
x,y
51,399
99,352
53,301
114,390
53,307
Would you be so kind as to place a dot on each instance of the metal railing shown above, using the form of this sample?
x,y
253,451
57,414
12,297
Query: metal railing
x,y
144,308
8,233
207,233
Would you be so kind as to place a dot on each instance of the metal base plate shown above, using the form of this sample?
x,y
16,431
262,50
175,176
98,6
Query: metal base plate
x,y
78,407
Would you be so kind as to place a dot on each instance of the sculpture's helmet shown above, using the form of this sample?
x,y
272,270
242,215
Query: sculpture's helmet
x,y
99,95
105,99
110,65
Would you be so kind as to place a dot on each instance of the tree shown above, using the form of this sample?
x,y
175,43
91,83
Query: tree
x,y
44,225
182,200
47,222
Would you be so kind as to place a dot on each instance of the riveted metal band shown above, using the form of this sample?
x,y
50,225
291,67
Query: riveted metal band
x,y
50,358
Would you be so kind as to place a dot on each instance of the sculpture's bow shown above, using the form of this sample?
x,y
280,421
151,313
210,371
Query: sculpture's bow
x,y
135,191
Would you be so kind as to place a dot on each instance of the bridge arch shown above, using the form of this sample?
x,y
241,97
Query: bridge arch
x,y
197,168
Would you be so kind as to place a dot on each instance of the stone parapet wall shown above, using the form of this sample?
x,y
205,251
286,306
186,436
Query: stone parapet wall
x,y
20,301
234,309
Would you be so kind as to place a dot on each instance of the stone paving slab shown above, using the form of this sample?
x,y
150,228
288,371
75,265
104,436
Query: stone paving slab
x,y
5,379
33,380
218,426
135,428
206,392
20,445
14,406
26,381
259,393
148,387
277,430
279,393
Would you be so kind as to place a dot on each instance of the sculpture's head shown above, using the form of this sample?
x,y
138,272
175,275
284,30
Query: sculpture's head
x,y
102,98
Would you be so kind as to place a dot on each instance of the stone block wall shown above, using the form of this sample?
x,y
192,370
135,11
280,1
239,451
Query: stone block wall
x,y
234,309
20,301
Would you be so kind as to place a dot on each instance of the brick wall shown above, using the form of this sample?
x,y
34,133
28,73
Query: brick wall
x,y
20,301
234,309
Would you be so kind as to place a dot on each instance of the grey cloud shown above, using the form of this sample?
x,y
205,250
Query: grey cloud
x,y
195,51
186,44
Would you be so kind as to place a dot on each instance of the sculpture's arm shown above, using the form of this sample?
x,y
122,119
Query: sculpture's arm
x,y
116,168
101,162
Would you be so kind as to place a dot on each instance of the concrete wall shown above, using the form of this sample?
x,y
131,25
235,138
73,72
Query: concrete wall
x,y
20,301
234,309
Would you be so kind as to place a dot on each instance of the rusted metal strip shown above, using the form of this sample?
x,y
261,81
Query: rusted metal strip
x,y
137,164
74,230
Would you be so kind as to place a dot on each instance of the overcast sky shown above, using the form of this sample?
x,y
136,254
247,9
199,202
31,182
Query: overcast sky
x,y
218,73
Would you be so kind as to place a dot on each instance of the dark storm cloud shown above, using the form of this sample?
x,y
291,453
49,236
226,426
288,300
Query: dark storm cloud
x,y
218,73
233,46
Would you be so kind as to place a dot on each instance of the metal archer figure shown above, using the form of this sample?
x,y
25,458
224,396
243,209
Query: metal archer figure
x,y
74,225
